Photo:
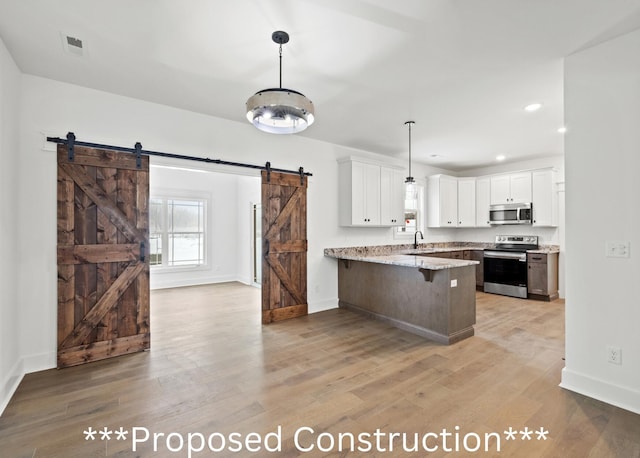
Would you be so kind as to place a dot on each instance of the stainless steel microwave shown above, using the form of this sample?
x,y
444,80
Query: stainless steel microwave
x,y
511,214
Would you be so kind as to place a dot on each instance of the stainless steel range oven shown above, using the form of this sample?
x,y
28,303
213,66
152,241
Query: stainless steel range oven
x,y
505,266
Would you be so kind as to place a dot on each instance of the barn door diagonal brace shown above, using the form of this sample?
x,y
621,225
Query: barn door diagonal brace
x,y
71,142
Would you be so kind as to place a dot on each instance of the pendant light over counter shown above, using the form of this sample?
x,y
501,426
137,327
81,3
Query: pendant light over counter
x,y
409,179
280,110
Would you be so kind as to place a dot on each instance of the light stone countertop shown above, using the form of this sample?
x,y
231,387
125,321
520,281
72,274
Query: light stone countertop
x,y
410,260
548,249
439,247
407,256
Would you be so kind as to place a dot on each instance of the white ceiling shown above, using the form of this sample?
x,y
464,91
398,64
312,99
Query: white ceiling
x,y
463,70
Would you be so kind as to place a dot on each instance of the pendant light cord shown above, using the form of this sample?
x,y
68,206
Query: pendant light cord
x,y
280,65
410,177
410,150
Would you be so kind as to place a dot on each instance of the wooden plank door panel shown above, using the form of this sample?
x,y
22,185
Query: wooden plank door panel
x,y
103,270
284,235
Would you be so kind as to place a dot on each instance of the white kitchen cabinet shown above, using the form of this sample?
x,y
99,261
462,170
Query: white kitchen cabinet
x,y
513,188
369,194
545,197
483,200
392,190
466,202
442,201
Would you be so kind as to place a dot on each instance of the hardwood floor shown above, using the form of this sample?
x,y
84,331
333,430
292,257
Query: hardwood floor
x,y
213,368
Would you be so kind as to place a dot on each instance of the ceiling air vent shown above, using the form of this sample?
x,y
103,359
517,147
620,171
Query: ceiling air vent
x,y
73,45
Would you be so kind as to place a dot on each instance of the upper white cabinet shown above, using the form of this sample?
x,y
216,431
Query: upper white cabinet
x,y
466,202
369,194
483,200
392,191
442,201
511,188
545,197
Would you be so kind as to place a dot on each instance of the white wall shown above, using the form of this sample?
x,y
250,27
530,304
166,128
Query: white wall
x,y
11,369
602,159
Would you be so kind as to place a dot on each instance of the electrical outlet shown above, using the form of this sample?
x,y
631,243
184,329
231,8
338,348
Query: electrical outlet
x,y
614,354
454,282
617,249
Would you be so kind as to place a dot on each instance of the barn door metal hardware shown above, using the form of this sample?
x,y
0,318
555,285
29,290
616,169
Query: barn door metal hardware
x,y
138,146
71,139
301,171
71,142
142,252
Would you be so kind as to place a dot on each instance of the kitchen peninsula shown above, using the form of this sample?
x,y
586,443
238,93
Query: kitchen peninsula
x,y
410,289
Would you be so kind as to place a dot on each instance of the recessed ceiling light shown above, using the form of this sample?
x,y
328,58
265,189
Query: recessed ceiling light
x,y
562,130
533,107
501,157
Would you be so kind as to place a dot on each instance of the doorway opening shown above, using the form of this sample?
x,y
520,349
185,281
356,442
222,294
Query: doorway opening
x,y
225,233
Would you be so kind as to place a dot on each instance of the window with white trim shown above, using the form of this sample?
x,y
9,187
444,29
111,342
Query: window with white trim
x,y
177,232
413,210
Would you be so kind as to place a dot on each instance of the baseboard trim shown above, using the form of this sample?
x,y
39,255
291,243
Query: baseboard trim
x,y
410,327
321,306
39,362
10,384
616,395
180,283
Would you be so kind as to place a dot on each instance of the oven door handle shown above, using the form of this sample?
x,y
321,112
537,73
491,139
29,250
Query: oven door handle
x,y
522,257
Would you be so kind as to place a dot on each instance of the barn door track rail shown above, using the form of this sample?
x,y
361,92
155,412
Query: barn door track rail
x,y
70,141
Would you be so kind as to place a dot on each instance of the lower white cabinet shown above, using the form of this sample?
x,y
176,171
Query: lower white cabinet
x,y
370,194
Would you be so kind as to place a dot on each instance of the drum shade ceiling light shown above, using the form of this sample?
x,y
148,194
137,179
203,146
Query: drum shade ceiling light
x,y
280,110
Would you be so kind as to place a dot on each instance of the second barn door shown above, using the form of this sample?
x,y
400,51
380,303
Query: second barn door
x,y
284,242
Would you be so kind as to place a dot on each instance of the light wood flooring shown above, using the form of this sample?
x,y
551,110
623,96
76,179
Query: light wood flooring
x,y
214,368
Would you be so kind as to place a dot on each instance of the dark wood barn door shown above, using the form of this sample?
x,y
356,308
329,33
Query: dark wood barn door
x,y
103,272
284,235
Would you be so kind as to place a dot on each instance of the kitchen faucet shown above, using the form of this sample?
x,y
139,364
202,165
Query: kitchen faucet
x,y
415,239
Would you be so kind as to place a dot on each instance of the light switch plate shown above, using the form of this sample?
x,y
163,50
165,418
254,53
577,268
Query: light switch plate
x,y
454,282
